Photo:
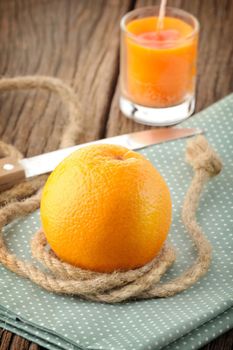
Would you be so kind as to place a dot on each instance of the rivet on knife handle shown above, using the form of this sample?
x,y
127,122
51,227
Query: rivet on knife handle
x,y
11,173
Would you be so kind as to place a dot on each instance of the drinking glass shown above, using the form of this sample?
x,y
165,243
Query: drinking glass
x,y
158,77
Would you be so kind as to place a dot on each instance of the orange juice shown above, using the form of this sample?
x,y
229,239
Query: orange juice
x,y
159,67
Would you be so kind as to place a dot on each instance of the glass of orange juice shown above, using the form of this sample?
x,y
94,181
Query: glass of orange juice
x,y
158,65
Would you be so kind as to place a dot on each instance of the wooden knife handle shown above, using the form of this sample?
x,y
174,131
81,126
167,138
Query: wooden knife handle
x,y
11,173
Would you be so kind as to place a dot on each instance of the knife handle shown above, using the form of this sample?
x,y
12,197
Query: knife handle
x,y
11,173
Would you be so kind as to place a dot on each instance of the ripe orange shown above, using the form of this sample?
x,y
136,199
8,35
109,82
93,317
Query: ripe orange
x,y
106,208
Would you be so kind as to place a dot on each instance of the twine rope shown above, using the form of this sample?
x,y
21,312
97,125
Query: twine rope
x,y
74,129
60,277
72,134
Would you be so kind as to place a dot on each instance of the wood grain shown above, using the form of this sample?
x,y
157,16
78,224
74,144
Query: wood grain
x,y
78,41
58,38
9,341
5,340
19,343
215,59
224,342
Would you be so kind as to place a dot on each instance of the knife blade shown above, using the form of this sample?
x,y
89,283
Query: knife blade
x,y
12,171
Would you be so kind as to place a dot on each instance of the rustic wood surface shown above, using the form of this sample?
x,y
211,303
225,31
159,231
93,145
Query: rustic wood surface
x,y
78,41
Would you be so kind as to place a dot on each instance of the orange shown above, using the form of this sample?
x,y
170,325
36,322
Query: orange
x,y
106,208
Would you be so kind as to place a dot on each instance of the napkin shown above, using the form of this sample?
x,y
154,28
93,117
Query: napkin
x,y
187,320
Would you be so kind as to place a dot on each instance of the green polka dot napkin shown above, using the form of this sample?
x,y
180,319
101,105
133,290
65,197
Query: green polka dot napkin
x,y
185,321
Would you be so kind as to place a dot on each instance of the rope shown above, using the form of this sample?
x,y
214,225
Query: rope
x,y
61,277
72,133
74,129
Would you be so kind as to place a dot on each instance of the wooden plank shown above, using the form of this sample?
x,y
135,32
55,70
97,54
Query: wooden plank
x,y
224,342
5,340
215,63
19,343
57,38
76,41
35,347
1,333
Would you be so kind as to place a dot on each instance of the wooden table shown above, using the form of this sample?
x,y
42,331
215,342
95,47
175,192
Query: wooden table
x,y
78,41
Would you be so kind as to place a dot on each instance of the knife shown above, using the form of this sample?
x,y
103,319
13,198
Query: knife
x,y
13,171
